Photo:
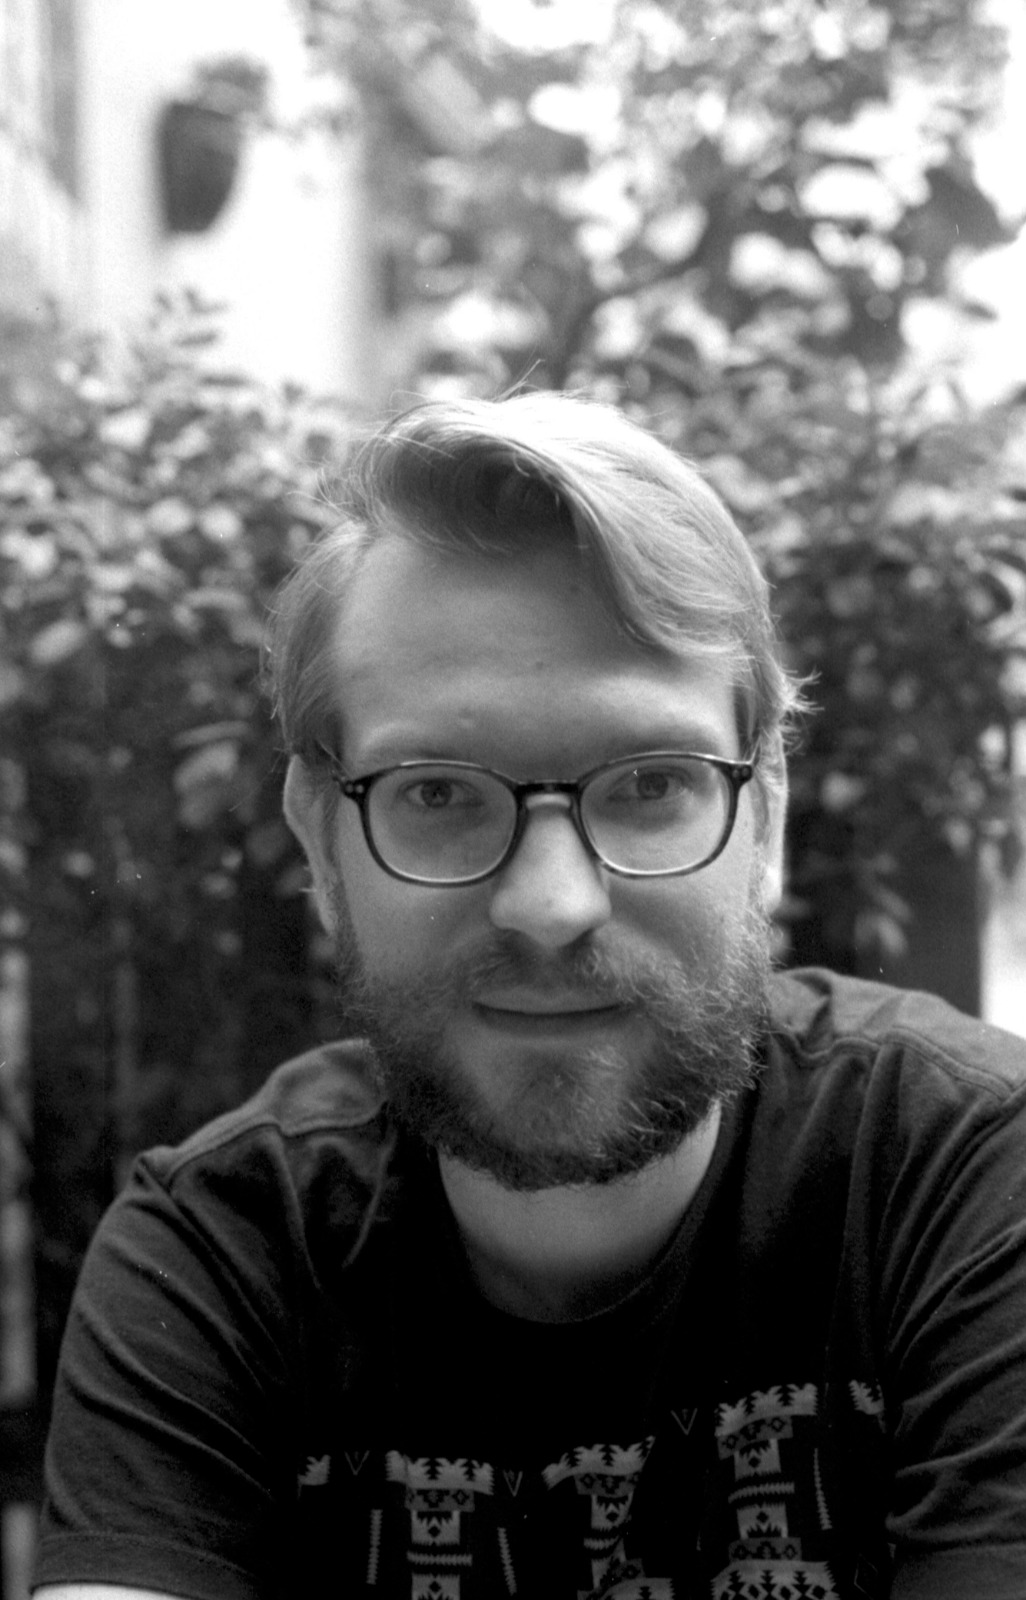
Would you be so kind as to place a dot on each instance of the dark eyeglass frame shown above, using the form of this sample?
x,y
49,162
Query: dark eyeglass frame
x,y
358,790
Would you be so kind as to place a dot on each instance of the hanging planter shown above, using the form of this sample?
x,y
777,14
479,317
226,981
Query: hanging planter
x,y
200,137
198,149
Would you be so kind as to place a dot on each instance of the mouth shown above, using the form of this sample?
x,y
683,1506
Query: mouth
x,y
533,1014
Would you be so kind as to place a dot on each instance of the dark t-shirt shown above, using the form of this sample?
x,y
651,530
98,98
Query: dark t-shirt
x,y
279,1379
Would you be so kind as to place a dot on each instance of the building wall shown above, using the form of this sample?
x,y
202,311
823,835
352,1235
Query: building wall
x,y
288,256
40,217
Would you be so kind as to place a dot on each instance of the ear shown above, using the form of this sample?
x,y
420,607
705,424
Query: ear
x,y
775,803
771,820
307,814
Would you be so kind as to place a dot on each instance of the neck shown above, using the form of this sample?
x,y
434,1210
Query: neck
x,y
557,1254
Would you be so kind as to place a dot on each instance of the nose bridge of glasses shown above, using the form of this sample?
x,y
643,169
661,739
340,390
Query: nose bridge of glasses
x,y
551,800
547,798
550,875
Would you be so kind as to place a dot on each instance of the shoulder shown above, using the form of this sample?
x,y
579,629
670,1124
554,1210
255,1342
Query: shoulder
x,y
330,1086
822,1023
864,1078
297,1168
327,1095
880,1113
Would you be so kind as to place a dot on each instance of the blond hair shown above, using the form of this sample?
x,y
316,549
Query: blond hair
x,y
500,476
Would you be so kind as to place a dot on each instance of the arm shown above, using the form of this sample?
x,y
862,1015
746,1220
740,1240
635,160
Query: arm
x,y
96,1591
954,1293
171,1457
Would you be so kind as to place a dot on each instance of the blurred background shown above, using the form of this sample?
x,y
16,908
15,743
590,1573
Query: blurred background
x,y
786,236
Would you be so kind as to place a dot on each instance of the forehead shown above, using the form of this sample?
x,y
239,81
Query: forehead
x,y
468,654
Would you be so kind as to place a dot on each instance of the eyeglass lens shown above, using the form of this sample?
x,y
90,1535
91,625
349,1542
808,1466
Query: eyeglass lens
x,y
445,823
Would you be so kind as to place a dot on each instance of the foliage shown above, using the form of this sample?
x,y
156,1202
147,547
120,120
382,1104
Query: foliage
x,y
896,544
236,85
147,513
727,220
700,172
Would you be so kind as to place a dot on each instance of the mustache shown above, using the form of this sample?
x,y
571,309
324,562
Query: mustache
x,y
666,989
588,970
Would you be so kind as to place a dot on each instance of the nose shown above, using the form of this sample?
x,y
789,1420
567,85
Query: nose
x,y
552,889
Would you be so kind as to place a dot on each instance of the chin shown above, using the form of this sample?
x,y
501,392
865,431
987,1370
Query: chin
x,y
566,1119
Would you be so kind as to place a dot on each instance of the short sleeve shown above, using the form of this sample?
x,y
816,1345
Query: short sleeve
x,y
952,1298
172,1448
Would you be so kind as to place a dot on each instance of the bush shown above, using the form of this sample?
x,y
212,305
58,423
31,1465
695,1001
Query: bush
x,y
146,518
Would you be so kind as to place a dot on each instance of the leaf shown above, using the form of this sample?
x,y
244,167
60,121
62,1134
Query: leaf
x,y
58,642
739,485
212,733
113,578
127,430
877,931
269,843
840,792
34,553
12,684
216,762
169,517
205,783
220,522
923,502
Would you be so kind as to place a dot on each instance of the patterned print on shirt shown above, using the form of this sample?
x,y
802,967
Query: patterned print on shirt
x,y
605,1476
592,1526
767,1442
439,1496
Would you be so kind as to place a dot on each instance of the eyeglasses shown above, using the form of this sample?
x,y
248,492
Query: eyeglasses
x,y
449,823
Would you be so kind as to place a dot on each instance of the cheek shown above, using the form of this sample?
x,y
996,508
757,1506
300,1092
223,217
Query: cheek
x,y
690,916
675,917
399,926
406,934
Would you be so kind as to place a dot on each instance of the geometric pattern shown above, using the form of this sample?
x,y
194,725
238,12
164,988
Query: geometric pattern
x,y
777,1580
458,1528
605,1478
439,1496
777,1515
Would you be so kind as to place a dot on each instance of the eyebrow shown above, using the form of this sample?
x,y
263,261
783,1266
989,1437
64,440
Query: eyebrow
x,y
692,737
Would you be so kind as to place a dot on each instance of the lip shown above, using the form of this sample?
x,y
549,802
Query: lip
x,y
541,1001
552,1016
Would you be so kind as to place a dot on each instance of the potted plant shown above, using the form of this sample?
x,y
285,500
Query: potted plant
x,y
200,137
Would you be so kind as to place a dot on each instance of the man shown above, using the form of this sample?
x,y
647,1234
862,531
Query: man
x,y
609,1264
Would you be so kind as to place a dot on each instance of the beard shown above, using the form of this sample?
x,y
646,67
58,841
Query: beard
x,y
573,1114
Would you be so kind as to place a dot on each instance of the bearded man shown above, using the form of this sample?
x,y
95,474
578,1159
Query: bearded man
x,y
599,1260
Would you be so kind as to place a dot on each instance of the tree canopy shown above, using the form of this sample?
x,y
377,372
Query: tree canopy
x,y
693,183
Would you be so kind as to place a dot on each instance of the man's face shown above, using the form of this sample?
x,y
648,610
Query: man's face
x,y
556,1023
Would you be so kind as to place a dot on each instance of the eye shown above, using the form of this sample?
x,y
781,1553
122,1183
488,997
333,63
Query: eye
x,y
651,785
439,794
654,784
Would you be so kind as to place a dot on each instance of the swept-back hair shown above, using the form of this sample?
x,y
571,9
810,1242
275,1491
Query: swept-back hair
x,y
499,477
